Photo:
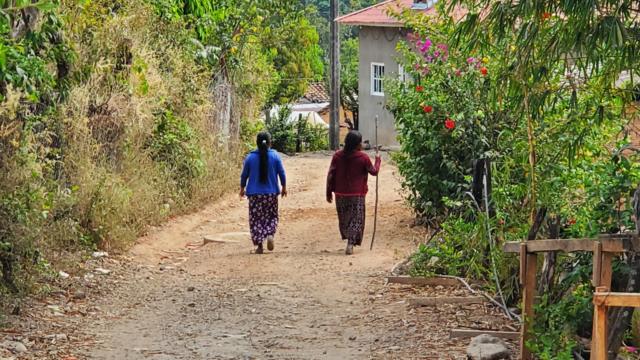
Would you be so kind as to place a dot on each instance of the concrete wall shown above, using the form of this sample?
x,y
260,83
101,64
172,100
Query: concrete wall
x,y
377,45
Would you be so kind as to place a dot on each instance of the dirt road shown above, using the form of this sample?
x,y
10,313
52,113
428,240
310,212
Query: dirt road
x,y
306,300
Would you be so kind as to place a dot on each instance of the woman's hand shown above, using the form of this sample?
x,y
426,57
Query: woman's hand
x,y
329,198
241,193
284,191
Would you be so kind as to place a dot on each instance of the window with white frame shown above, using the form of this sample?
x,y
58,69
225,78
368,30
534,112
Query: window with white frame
x,y
377,79
403,76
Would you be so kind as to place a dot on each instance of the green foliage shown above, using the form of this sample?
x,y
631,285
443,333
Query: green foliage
x,y
296,136
26,53
350,77
459,250
104,115
173,144
557,321
276,30
551,118
248,132
444,123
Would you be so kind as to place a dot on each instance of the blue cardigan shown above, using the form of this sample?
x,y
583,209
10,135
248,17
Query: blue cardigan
x,y
250,177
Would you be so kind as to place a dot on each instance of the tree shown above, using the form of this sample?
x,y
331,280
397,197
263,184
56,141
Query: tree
x,y
579,47
277,29
350,78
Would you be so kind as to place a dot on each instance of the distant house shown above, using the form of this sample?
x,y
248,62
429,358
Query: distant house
x,y
314,107
380,33
311,107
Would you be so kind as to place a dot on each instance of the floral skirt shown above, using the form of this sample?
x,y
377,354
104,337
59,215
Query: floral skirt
x,y
351,215
263,216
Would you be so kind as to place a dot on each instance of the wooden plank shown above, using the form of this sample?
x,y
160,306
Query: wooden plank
x,y
423,281
597,264
607,270
612,299
435,301
523,262
615,245
599,337
471,333
528,298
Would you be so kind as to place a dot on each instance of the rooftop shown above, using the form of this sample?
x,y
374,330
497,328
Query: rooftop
x,y
316,93
379,14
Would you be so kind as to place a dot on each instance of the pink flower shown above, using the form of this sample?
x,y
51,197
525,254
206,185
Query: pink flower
x,y
458,72
426,45
471,60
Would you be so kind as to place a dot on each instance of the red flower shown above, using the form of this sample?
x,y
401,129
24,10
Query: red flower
x,y
546,16
484,71
572,221
419,88
450,124
458,72
427,108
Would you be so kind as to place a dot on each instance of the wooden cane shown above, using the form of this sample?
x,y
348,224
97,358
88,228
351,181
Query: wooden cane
x,y
375,214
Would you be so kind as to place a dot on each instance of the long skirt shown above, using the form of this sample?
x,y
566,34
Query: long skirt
x,y
351,215
263,216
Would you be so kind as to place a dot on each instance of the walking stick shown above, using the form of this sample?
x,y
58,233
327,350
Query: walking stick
x,y
375,214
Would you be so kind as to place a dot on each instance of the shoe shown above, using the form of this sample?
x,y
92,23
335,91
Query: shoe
x,y
349,250
260,250
270,243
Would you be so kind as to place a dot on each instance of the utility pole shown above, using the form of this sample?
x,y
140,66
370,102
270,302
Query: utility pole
x,y
334,125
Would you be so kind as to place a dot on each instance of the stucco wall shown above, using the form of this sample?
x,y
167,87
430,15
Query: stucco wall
x,y
377,45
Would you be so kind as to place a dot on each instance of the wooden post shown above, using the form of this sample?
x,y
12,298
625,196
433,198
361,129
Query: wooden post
x,y
596,280
597,264
604,282
523,263
334,118
528,296
599,337
607,269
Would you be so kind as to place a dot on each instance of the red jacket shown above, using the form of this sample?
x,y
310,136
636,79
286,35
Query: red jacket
x,y
349,173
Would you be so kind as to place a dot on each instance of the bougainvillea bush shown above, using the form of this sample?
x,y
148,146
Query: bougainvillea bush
x,y
443,121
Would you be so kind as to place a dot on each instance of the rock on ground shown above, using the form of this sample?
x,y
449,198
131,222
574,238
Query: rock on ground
x,y
14,346
486,347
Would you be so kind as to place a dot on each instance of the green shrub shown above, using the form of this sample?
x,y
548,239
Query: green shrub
x,y
443,125
174,145
248,132
460,249
558,321
296,136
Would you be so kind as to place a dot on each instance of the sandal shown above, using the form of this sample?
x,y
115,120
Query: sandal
x,y
270,243
260,250
349,250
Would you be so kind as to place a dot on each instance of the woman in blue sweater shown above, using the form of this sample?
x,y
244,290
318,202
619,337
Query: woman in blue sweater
x,y
259,181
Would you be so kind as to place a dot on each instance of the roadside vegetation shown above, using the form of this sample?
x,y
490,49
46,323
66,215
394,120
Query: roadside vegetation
x,y
544,95
116,115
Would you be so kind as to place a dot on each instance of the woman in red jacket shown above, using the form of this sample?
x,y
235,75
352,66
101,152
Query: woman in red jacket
x,y
347,178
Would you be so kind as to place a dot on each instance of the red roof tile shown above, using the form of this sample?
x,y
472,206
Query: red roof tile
x,y
379,14
316,93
